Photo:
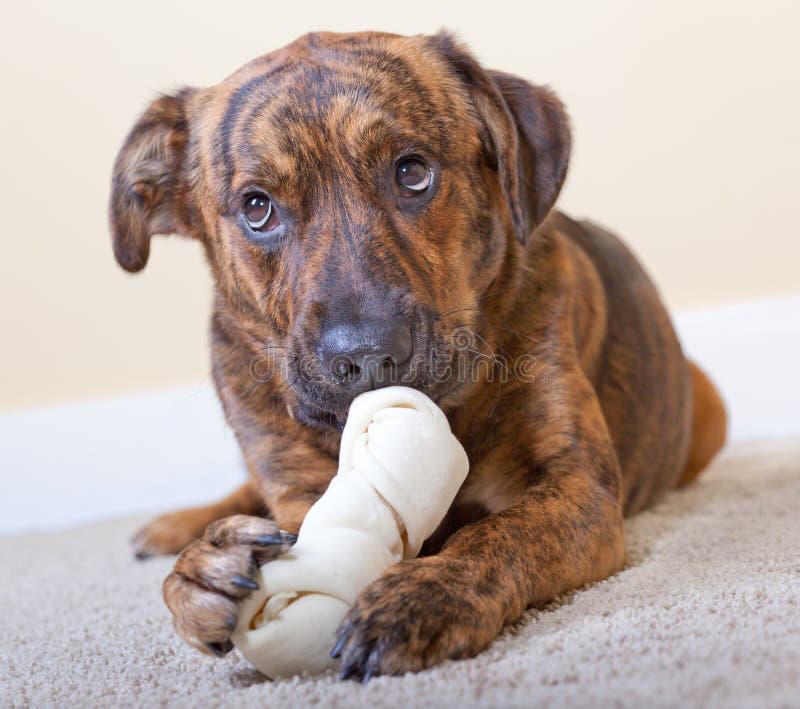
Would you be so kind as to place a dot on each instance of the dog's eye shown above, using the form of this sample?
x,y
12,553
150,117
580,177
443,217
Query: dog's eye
x,y
259,212
413,177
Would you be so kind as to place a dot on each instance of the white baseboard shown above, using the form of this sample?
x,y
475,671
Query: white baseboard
x,y
68,464
752,352
77,462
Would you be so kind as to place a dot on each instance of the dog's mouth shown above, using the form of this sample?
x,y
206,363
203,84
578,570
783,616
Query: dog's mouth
x,y
310,415
324,410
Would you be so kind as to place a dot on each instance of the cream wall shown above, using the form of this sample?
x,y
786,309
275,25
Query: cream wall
x,y
685,117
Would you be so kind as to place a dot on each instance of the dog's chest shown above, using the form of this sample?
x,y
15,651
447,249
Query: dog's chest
x,y
487,489
498,475
493,486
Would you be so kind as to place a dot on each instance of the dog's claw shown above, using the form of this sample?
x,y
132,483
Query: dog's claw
x,y
348,671
337,649
357,662
267,540
220,649
243,582
288,537
372,666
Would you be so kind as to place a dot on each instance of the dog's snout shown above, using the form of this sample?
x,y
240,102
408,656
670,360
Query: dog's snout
x,y
366,355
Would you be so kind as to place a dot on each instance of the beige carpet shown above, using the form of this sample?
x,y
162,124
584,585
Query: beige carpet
x,y
707,614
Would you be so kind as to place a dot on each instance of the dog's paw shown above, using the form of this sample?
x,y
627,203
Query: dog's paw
x,y
170,533
417,615
214,574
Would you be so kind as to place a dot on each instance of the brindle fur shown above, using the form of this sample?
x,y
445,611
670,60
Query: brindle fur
x,y
610,420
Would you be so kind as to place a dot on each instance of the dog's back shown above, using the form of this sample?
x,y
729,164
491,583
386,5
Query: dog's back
x,y
650,393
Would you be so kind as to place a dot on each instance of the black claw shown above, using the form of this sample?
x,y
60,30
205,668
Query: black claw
x,y
288,537
243,582
372,666
142,555
337,649
220,649
231,622
267,540
348,671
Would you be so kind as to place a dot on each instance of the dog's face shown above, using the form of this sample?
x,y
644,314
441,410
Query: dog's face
x,y
359,197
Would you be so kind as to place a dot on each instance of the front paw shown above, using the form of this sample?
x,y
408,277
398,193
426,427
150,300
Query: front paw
x,y
215,574
420,613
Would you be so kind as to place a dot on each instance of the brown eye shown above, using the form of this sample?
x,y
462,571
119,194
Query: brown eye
x,y
413,177
259,212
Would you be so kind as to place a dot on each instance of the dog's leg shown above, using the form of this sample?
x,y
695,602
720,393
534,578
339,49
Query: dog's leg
x,y
423,611
563,535
172,532
564,531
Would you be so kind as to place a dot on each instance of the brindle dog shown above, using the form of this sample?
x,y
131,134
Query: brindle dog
x,y
365,200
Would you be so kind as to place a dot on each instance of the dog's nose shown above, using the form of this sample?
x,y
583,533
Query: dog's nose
x,y
367,355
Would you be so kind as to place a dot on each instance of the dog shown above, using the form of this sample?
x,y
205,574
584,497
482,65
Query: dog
x,y
365,201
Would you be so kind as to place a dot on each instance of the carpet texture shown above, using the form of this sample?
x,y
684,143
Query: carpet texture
x,y
706,614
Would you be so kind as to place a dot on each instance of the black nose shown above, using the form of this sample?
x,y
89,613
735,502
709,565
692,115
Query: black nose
x,y
366,355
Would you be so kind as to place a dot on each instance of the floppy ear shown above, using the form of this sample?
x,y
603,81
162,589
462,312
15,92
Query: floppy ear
x,y
149,187
527,134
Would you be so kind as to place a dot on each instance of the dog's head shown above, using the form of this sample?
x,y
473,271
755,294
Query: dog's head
x,y
359,198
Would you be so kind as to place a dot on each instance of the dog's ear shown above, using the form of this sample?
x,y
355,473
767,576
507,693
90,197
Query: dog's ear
x,y
149,188
527,133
